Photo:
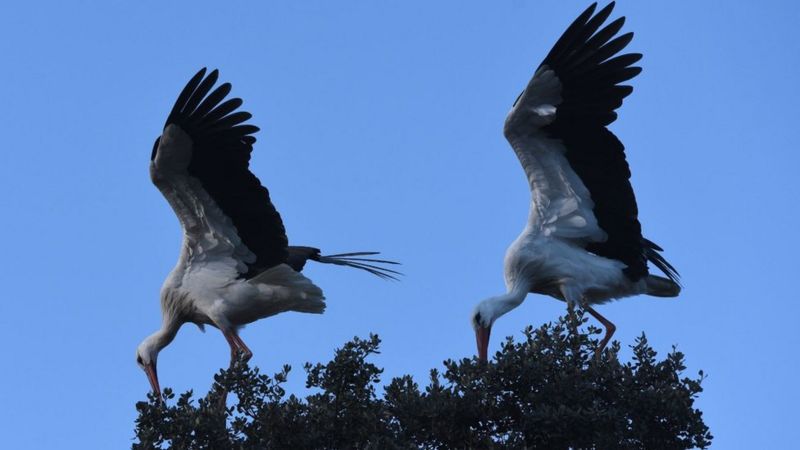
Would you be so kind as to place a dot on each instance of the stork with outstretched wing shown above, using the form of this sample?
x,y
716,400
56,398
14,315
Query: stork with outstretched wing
x,y
583,242
235,264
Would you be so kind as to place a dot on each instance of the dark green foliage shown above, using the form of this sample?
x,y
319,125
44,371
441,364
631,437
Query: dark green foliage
x,y
546,391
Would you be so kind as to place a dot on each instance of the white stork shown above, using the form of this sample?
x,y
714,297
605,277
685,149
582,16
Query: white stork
x,y
583,242
235,264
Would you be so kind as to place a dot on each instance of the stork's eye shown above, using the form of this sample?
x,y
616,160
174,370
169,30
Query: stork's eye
x,y
478,318
139,359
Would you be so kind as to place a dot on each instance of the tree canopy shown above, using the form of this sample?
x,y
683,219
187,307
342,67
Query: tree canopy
x,y
544,391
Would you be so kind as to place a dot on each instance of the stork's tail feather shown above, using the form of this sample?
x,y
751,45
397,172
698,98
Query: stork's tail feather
x,y
651,252
283,281
662,287
357,260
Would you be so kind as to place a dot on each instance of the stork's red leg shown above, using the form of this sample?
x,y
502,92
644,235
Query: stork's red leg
x,y
610,329
237,345
231,338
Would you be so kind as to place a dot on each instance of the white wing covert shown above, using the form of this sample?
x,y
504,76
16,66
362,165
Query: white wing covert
x,y
561,206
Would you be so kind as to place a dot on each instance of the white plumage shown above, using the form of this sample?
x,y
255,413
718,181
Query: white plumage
x,y
582,243
235,264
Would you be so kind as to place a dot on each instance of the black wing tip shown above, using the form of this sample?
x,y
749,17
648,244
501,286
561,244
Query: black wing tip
x,y
588,62
582,29
634,57
626,36
202,110
619,22
200,74
605,10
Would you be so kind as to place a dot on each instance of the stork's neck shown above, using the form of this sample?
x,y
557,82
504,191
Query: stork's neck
x,y
511,299
173,315
166,334
501,304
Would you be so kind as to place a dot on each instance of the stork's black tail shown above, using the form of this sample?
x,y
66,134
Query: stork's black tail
x,y
299,255
660,286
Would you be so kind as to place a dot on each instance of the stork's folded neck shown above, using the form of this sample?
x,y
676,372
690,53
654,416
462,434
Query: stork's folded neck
x,y
495,307
173,315
510,300
165,334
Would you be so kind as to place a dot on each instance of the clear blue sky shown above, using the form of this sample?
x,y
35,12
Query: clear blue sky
x,y
381,129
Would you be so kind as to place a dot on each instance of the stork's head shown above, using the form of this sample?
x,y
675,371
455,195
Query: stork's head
x,y
487,311
483,317
146,357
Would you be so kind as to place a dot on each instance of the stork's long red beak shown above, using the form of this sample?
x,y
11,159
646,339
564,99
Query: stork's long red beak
x,y
482,337
152,376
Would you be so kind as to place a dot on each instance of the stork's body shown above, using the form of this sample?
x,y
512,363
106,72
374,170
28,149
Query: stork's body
x,y
582,243
235,264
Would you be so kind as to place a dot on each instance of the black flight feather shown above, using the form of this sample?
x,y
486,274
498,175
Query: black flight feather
x,y
588,65
221,147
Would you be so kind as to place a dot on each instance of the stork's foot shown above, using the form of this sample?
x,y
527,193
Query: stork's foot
x,y
237,346
246,353
610,329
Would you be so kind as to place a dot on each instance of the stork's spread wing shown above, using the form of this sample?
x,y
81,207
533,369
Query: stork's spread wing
x,y
576,167
200,164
